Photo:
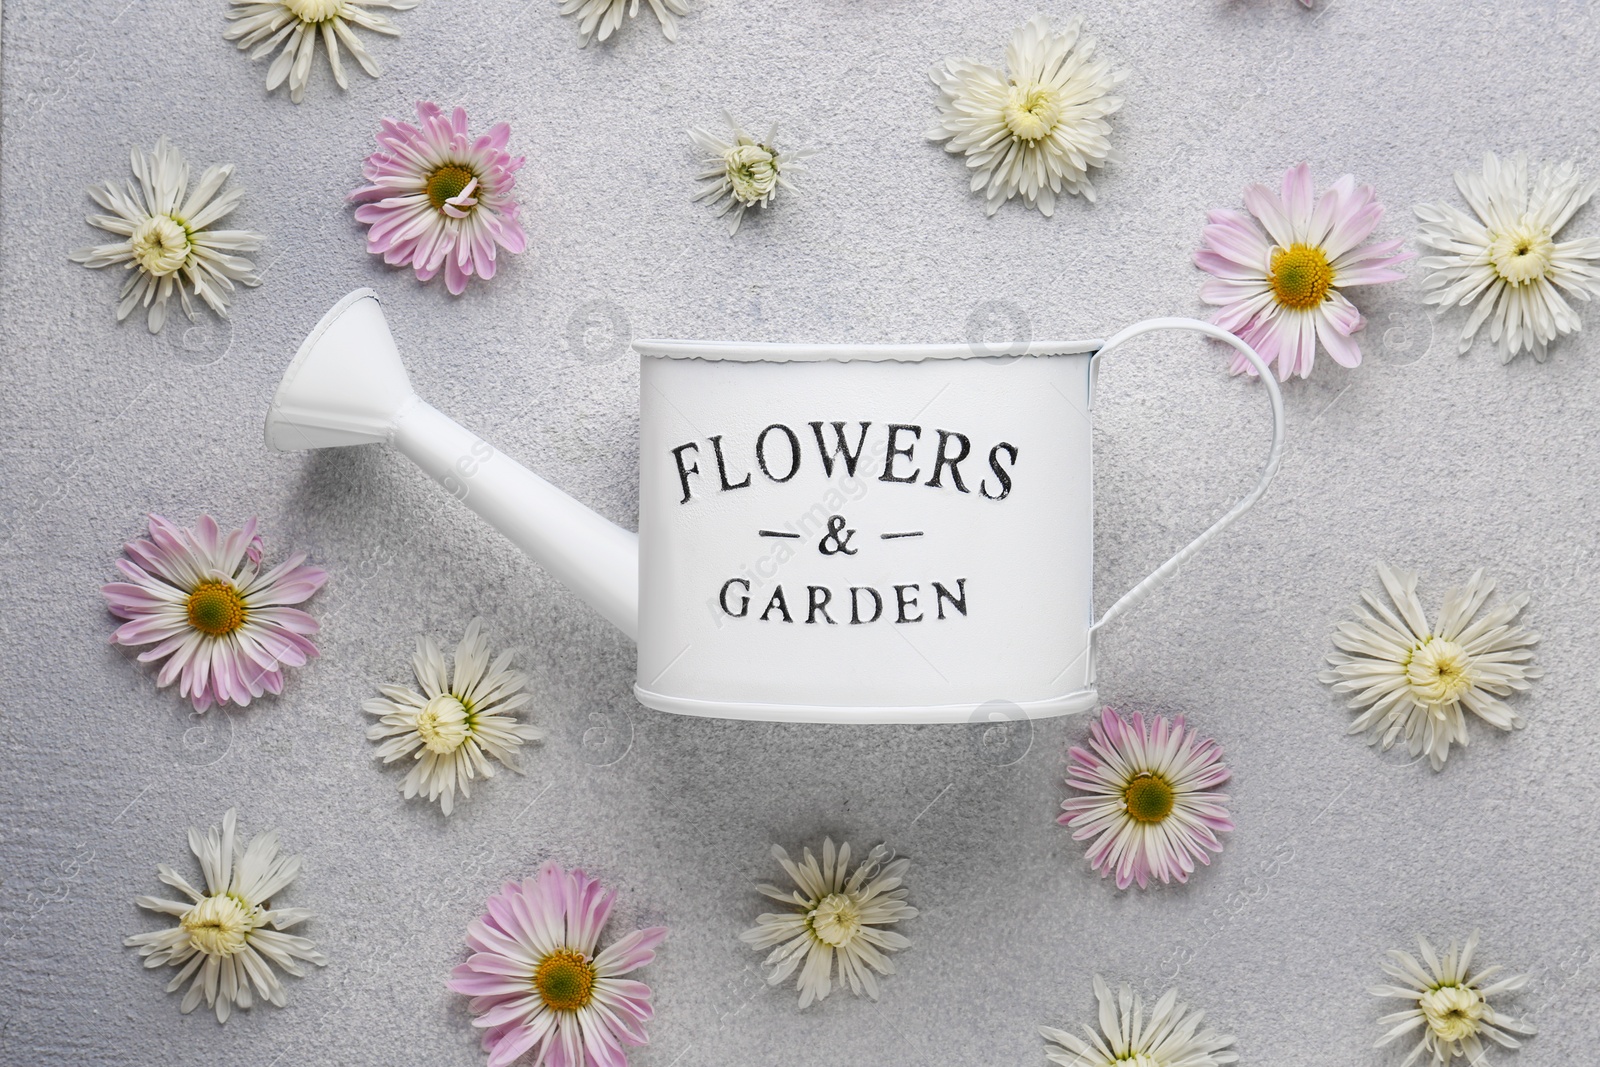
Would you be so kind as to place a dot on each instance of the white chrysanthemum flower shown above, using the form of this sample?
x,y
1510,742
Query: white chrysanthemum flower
x,y
743,172
837,914
452,728
1415,680
1169,1039
262,25
227,936
1507,260
1451,1005
1038,130
164,241
599,19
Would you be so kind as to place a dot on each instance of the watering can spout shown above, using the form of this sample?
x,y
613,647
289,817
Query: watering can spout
x,y
347,386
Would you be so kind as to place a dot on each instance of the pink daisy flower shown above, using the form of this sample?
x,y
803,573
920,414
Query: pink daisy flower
x,y
440,199
1150,808
225,629
536,982
1279,291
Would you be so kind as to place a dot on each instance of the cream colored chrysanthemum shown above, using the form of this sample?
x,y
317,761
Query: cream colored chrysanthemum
x,y
1451,1005
1038,130
743,172
228,936
263,25
1414,680
457,722
599,19
1507,261
1171,1038
836,914
165,245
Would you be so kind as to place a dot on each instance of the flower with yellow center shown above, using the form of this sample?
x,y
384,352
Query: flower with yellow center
x,y
1451,1007
225,628
440,197
1037,130
1170,1036
215,608
1149,806
262,26
837,915
1278,273
742,173
451,186
1149,798
460,720
542,984
1301,276
564,980
164,238
229,937
1504,261
1414,680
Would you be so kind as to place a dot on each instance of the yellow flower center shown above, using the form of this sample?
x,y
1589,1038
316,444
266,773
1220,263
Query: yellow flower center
x,y
448,181
1523,253
564,980
1149,797
314,10
216,608
1137,1059
752,171
1452,1011
219,925
836,920
1301,276
1438,672
160,245
444,724
1031,112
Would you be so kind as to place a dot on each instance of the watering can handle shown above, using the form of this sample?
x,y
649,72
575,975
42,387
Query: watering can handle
x,y
1274,455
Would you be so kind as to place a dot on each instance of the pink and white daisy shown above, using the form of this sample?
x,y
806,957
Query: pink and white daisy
x,y
537,983
1279,291
225,628
1150,807
439,198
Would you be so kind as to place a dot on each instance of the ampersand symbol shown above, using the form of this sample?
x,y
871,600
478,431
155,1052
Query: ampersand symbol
x,y
838,537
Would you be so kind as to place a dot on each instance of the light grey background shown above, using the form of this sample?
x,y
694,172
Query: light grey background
x,y
1434,462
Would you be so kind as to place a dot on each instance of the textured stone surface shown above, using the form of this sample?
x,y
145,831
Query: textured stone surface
x,y
1437,463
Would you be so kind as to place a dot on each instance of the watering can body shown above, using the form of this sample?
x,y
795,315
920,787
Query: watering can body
x,y
827,533
863,533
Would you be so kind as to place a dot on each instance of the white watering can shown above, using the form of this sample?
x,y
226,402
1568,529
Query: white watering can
x,y
827,533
